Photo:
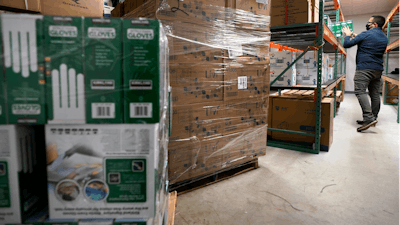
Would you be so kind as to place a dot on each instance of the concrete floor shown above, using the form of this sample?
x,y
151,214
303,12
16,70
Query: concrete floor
x,y
356,182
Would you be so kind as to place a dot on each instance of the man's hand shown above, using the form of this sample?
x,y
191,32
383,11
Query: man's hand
x,y
347,31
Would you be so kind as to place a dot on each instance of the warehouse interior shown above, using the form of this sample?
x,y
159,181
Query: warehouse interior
x,y
199,112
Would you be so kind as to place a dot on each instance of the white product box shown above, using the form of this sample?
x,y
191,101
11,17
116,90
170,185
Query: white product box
x,y
307,68
19,163
279,61
102,171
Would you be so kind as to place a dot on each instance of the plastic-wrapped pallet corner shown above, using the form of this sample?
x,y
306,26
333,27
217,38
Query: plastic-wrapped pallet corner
x,y
307,69
279,61
23,66
21,168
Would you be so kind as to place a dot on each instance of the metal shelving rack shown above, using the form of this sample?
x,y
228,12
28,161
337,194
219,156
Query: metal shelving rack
x,y
391,47
310,36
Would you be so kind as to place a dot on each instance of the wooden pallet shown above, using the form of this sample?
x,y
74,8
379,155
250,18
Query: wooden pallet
x,y
172,207
203,181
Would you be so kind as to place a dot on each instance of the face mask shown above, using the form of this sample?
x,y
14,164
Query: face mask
x,y
368,26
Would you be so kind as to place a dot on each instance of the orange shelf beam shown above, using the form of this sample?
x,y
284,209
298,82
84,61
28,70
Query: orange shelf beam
x,y
389,18
283,47
392,46
330,37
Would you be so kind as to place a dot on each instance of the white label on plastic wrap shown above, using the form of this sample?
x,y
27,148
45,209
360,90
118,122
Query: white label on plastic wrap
x,y
103,110
102,32
63,31
262,1
140,34
141,110
242,82
26,109
235,50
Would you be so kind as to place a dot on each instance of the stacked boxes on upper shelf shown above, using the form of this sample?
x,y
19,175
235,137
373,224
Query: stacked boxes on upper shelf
x,y
286,12
307,68
279,62
219,71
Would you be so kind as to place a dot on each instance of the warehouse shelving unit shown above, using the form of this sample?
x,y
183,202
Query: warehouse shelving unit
x,y
394,46
309,36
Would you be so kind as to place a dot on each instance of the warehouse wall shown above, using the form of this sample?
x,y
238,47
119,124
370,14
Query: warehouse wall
x,y
359,22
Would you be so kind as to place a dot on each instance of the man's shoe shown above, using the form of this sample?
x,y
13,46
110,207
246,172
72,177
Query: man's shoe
x,y
367,125
361,122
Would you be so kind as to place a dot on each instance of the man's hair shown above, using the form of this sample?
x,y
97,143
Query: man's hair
x,y
380,20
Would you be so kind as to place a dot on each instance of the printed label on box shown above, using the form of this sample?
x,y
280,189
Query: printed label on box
x,y
235,50
140,85
242,82
103,84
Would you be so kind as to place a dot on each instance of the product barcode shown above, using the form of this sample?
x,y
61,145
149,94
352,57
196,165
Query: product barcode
x,y
103,110
141,110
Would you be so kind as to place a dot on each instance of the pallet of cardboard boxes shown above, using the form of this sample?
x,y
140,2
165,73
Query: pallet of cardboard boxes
x,y
219,71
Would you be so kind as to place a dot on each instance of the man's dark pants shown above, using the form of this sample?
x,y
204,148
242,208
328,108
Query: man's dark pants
x,y
370,79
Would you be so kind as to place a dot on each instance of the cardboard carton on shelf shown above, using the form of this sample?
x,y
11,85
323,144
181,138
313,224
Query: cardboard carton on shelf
x,y
279,61
291,12
30,5
299,115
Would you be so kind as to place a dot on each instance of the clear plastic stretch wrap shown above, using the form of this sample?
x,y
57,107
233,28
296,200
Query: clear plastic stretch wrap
x,y
219,71
100,87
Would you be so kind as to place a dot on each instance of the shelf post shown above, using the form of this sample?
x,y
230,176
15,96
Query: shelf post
x,y
335,77
319,91
387,53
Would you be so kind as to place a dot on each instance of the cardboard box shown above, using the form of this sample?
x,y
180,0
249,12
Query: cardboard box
x,y
118,11
279,61
103,70
144,67
205,92
286,12
307,68
243,82
89,8
24,70
192,158
197,120
29,5
257,16
107,166
299,115
64,61
243,115
194,74
394,92
22,163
